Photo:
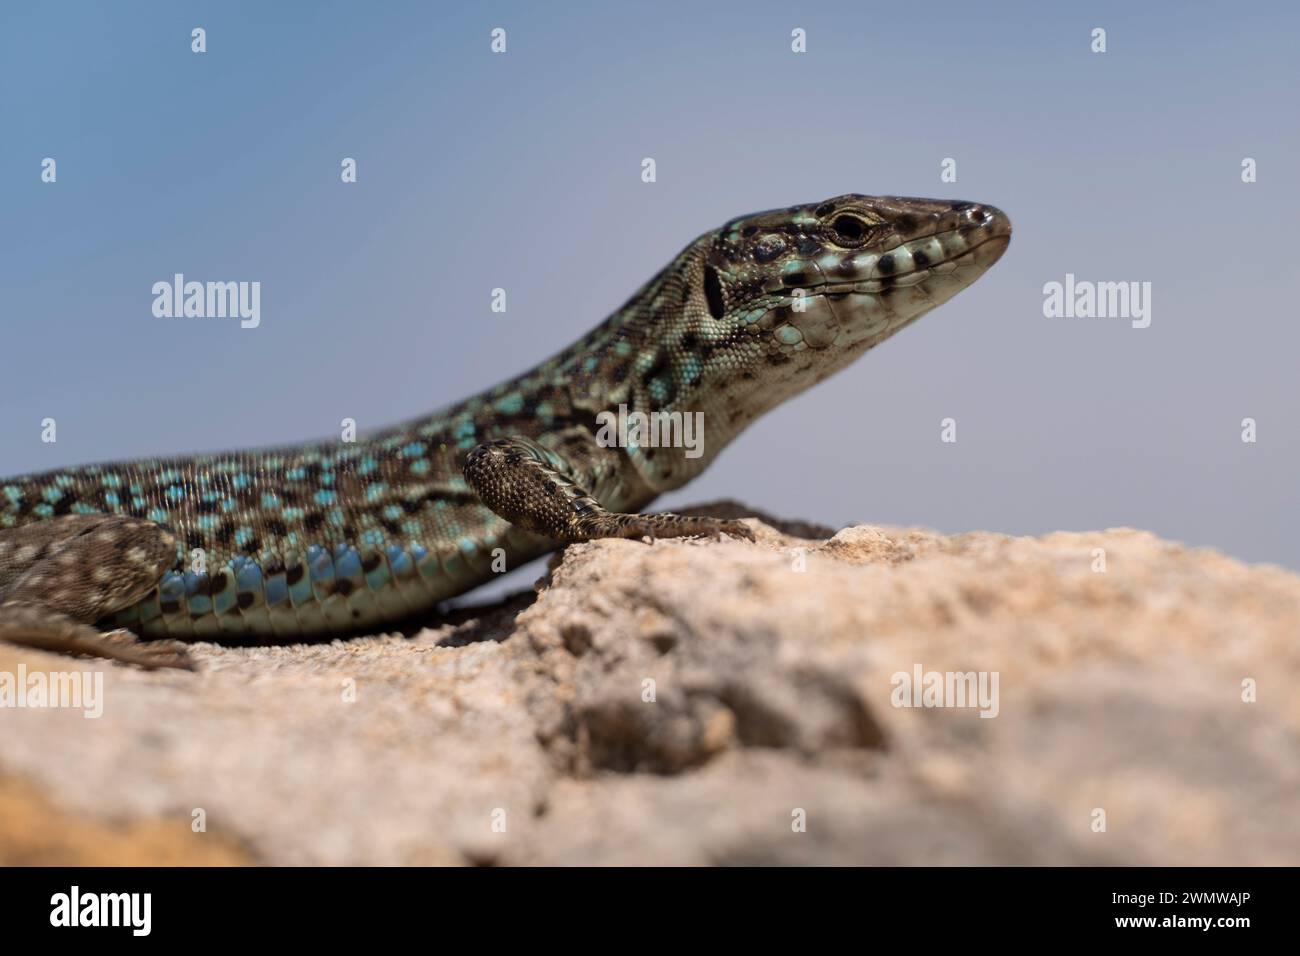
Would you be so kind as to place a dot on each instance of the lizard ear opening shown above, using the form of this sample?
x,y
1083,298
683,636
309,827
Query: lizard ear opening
x,y
713,292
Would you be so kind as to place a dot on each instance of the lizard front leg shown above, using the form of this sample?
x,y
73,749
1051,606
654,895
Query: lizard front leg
x,y
540,491
58,577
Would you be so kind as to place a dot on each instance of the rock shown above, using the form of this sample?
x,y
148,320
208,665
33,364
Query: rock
x,y
702,702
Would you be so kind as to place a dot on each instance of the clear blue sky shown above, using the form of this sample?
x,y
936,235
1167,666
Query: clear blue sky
x,y
522,171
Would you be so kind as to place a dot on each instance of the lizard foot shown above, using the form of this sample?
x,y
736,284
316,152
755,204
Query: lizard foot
x,y
538,490
58,577
31,625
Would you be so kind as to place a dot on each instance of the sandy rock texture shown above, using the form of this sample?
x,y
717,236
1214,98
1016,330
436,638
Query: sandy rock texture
x,y
718,702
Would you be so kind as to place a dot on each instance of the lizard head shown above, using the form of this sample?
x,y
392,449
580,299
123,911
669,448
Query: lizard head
x,y
788,297
771,303
849,272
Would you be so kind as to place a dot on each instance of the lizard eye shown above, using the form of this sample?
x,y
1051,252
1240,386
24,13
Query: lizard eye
x,y
849,230
713,292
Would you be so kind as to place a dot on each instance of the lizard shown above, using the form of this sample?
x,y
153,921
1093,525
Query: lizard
x,y
129,560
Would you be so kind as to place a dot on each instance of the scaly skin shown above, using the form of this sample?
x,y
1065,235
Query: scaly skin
x,y
333,537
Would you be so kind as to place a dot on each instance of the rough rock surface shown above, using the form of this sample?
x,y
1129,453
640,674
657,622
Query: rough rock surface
x,y
695,702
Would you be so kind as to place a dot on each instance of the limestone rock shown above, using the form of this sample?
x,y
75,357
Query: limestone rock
x,y
698,702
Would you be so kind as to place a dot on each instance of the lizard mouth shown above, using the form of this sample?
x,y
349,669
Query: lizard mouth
x,y
875,293
953,253
941,264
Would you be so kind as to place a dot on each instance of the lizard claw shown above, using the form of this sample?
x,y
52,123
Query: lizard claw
x,y
150,655
741,530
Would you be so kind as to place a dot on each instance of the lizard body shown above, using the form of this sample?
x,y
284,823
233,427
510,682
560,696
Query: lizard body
x,y
333,537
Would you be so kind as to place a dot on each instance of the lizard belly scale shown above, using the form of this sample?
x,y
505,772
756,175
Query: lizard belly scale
x,y
368,551
333,591
307,540
313,539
